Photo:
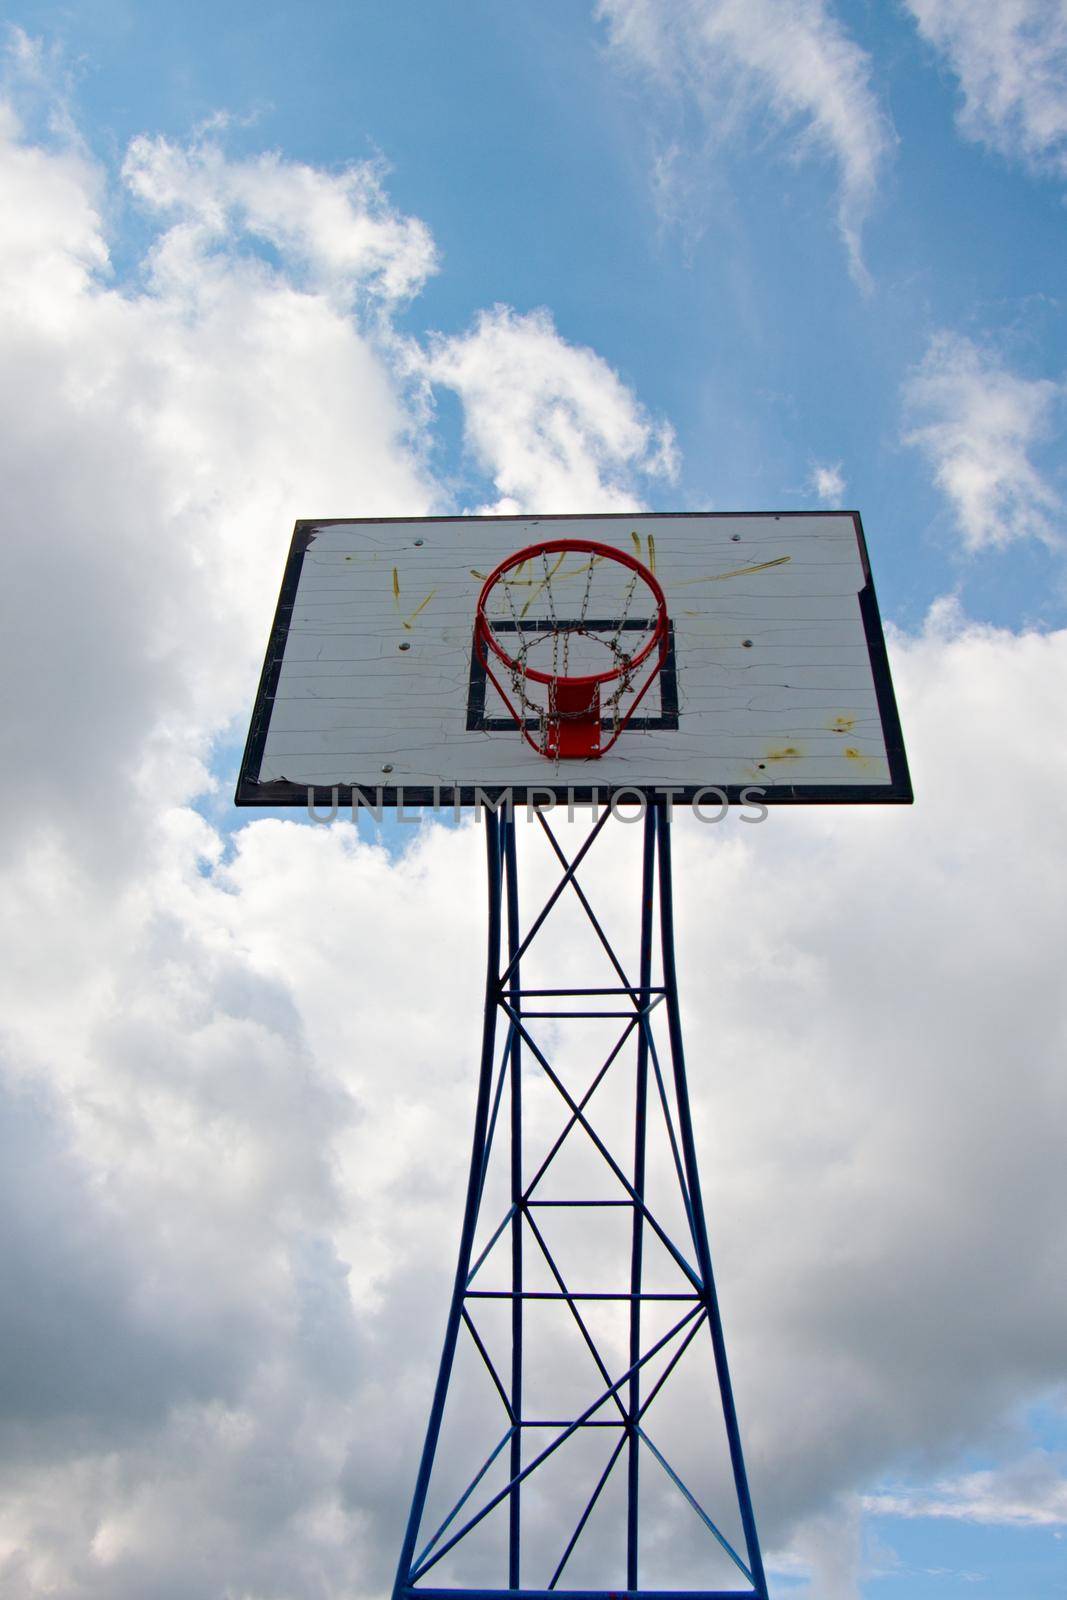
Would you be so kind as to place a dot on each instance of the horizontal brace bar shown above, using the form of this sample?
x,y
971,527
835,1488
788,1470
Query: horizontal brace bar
x,y
565,1422
577,1294
608,1015
636,989
415,1592
531,1203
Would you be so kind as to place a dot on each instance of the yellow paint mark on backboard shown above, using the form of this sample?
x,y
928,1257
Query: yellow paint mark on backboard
x,y
650,558
737,572
407,621
538,580
711,577
543,583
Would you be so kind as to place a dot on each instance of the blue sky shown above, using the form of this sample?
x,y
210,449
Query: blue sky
x,y
729,308
374,259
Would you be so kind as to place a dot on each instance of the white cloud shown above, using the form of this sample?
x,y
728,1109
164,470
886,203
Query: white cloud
x,y
1010,57
979,424
827,483
338,226
790,62
551,423
1029,1494
147,429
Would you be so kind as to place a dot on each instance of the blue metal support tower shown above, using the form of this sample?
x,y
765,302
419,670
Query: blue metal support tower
x,y
663,1325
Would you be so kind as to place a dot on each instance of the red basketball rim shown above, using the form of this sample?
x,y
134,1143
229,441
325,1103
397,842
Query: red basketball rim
x,y
584,547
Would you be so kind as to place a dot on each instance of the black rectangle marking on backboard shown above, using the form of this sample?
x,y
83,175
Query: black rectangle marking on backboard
x,y
478,722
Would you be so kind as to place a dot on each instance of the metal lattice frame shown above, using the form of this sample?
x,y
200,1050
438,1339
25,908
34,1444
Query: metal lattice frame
x,y
521,1011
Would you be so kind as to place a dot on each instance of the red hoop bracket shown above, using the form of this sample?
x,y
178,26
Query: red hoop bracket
x,y
571,719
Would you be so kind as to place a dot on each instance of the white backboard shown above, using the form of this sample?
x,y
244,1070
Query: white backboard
x,y
776,680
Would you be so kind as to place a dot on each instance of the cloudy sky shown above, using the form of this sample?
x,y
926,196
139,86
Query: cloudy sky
x,y
262,262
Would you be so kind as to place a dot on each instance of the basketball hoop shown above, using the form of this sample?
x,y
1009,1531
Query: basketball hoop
x,y
558,621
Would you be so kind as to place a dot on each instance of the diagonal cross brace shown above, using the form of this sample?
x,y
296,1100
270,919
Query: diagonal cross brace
x,y
664,1238
550,1449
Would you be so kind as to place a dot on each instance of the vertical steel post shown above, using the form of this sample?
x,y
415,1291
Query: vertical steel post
x,y
470,1218
685,1128
517,1221
648,863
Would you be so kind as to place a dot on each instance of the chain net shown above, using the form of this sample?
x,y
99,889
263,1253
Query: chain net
x,y
573,614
